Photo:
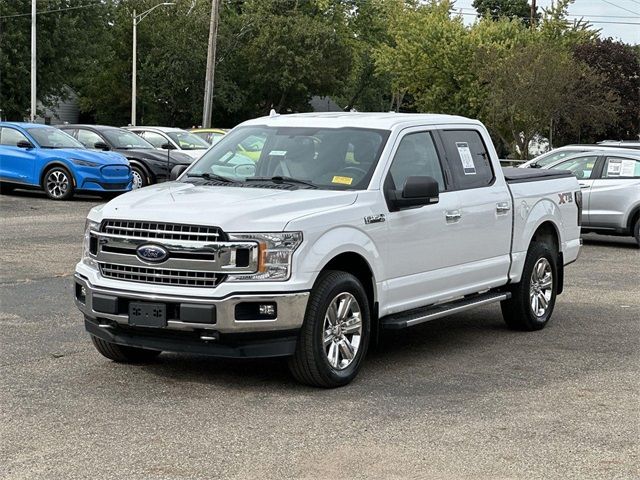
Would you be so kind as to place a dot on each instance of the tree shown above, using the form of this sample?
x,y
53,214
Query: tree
x,y
513,9
67,41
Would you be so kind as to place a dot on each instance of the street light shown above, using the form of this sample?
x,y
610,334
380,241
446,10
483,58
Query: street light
x,y
136,20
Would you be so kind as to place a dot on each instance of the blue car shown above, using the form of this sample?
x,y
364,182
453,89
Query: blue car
x,y
39,156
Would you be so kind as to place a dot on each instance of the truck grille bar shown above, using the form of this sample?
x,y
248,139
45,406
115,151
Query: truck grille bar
x,y
162,276
158,230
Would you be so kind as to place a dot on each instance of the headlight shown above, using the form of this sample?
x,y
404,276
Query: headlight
x,y
90,245
84,163
275,253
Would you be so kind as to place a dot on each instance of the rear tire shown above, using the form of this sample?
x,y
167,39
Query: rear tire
x,y
6,188
57,183
335,335
532,300
123,354
636,231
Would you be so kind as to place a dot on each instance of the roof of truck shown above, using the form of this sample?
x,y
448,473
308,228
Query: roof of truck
x,y
377,120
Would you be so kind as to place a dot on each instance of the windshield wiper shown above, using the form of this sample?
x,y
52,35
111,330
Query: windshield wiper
x,y
211,176
281,179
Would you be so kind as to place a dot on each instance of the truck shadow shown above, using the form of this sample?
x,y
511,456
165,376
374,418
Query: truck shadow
x,y
610,241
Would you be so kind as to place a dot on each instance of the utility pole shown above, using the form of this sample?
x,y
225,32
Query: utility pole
x,y
32,115
532,20
211,64
134,69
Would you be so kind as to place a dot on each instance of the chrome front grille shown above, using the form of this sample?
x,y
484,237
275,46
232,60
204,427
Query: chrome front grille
x,y
196,255
163,231
182,278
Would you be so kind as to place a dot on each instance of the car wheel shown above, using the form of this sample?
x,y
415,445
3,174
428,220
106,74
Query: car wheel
x,y
139,177
335,334
58,184
121,353
5,188
532,300
636,231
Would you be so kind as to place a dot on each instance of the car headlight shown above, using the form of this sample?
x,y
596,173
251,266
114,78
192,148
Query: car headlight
x,y
90,244
275,254
84,163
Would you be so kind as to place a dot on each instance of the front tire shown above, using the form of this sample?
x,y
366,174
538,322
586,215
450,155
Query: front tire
x,y
532,300
139,177
57,183
6,188
121,353
335,335
636,231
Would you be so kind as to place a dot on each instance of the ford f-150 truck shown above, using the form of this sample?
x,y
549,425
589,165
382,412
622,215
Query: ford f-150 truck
x,y
346,224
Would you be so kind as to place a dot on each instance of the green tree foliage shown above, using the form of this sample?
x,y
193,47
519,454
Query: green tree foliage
x,y
66,44
496,9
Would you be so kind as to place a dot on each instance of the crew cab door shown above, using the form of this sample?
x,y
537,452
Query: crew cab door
x,y
420,241
614,187
16,164
584,168
484,228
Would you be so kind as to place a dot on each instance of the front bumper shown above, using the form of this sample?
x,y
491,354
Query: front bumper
x,y
228,327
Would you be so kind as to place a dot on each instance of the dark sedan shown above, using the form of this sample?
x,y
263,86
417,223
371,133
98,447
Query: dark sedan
x,y
148,165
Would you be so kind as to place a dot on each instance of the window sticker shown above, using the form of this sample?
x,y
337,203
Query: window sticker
x,y
277,153
466,158
342,180
614,168
628,168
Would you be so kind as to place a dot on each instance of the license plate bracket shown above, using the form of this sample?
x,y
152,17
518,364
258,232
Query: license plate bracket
x,y
145,314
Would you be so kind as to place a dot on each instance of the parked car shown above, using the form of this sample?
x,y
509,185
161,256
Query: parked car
x,y
610,183
209,135
43,157
148,165
164,138
635,144
346,224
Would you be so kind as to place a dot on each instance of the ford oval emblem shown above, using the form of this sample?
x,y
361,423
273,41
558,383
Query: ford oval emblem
x,y
152,253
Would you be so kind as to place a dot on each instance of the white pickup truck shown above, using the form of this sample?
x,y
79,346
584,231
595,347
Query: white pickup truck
x,y
341,225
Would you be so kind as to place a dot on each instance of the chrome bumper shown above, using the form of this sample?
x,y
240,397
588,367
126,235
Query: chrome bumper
x,y
290,309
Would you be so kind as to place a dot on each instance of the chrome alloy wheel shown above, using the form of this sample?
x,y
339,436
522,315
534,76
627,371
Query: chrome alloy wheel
x,y
137,179
342,330
57,183
541,287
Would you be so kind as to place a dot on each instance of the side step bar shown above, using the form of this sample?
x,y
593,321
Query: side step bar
x,y
425,314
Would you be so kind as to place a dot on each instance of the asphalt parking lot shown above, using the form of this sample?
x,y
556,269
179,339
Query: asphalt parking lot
x,y
458,398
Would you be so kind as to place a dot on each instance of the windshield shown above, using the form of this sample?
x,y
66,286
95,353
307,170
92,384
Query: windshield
x,y
49,137
125,139
333,158
188,141
549,158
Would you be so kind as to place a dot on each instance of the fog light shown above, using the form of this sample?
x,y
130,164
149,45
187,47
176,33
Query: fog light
x,y
81,293
268,309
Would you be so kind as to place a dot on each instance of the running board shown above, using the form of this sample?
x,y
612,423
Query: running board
x,y
425,314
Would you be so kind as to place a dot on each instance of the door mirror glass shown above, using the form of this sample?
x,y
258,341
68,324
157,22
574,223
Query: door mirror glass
x,y
177,171
24,144
167,146
416,192
100,146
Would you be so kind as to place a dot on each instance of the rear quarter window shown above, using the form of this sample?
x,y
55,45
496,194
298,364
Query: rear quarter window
x,y
468,158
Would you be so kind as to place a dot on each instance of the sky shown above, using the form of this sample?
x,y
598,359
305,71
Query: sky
x,y
618,11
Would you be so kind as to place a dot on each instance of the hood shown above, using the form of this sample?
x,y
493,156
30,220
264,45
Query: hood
x,y
159,155
103,158
234,209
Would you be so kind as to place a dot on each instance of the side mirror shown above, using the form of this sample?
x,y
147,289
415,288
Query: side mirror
x,y
177,171
167,146
417,192
100,146
24,144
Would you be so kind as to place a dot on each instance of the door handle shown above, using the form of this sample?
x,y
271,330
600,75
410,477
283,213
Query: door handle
x,y
503,207
584,185
453,216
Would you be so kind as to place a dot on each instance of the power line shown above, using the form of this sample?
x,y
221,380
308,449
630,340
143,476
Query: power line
x,y
576,15
53,11
622,8
590,21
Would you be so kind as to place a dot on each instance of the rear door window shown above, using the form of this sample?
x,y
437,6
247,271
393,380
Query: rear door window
x,y
620,167
467,158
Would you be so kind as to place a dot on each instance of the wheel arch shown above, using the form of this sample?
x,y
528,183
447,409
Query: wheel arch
x,y
57,163
633,216
547,232
139,163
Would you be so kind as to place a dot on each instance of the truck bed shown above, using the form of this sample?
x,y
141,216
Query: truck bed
x,y
523,175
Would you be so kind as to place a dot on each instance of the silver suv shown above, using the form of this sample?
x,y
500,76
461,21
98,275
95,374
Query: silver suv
x,y
610,183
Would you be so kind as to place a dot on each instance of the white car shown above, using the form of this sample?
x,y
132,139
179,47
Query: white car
x,y
346,224
560,153
164,138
